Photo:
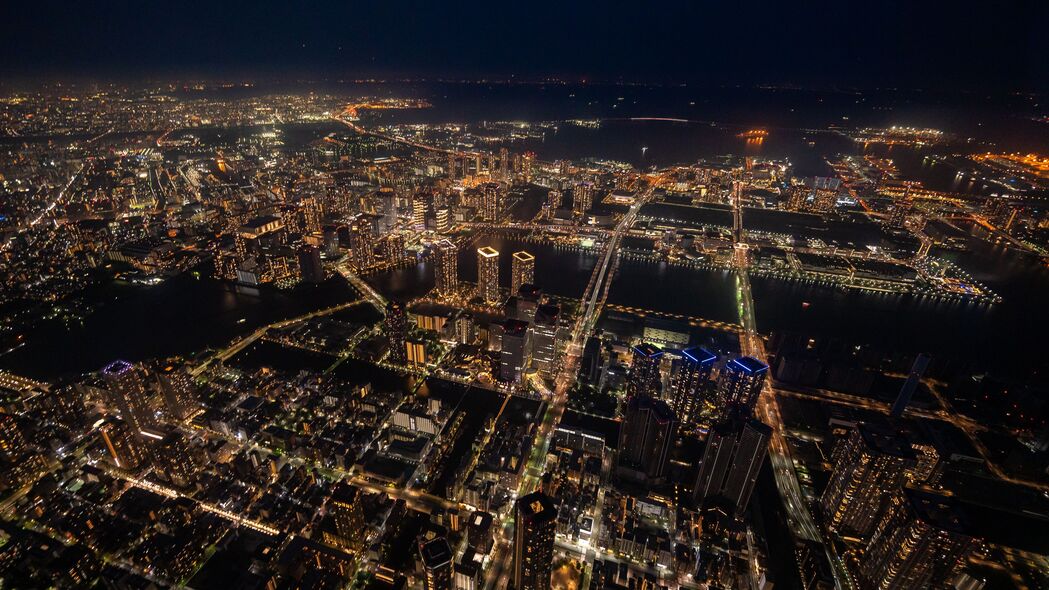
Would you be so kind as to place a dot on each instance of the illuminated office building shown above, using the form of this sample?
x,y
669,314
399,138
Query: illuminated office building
x,y
919,543
488,274
732,460
583,197
446,269
535,520
393,248
522,271
347,512
689,382
126,449
443,216
869,467
389,208
740,383
173,461
644,371
515,350
311,269
645,438
544,339
397,331
436,558
490,197
128,392
361,245
419,207
178,390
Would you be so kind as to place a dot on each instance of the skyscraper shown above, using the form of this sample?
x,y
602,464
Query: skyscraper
x,y
515,350
361,243
125,447
645,438
178,390
397,330
174,463
689,380
582,197
740,383
446,272
535,523
590,370
490,201
732,460
522,272
389,208
311,269
436,558
869,467
544,339
644,370
347,512
917,544
444,219
419,207
393,248
488,274
128,392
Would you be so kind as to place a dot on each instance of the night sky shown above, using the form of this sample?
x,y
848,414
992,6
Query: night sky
x,y
917,43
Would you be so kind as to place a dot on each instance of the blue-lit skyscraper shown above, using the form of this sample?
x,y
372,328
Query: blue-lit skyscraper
x,y
644,371
689,380
740,384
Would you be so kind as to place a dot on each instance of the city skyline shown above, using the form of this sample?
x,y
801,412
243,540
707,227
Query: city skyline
x,y
410,296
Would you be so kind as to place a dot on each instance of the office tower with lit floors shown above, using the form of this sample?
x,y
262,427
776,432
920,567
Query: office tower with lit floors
x,y
173,462
125,448
740,383
311,269
544,339
918,543
522,271
516,348
645,438
736,448
436,557
346,510
488,275
689,384
446,270
361,245
644,371
128,392
397,331
178,390
535,524
393,248
869,467
419,208
490,198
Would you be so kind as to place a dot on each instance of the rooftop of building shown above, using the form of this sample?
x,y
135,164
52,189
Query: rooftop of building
x,y
537,506
886,441
648,350
749,365
436,553
937,510
700,355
